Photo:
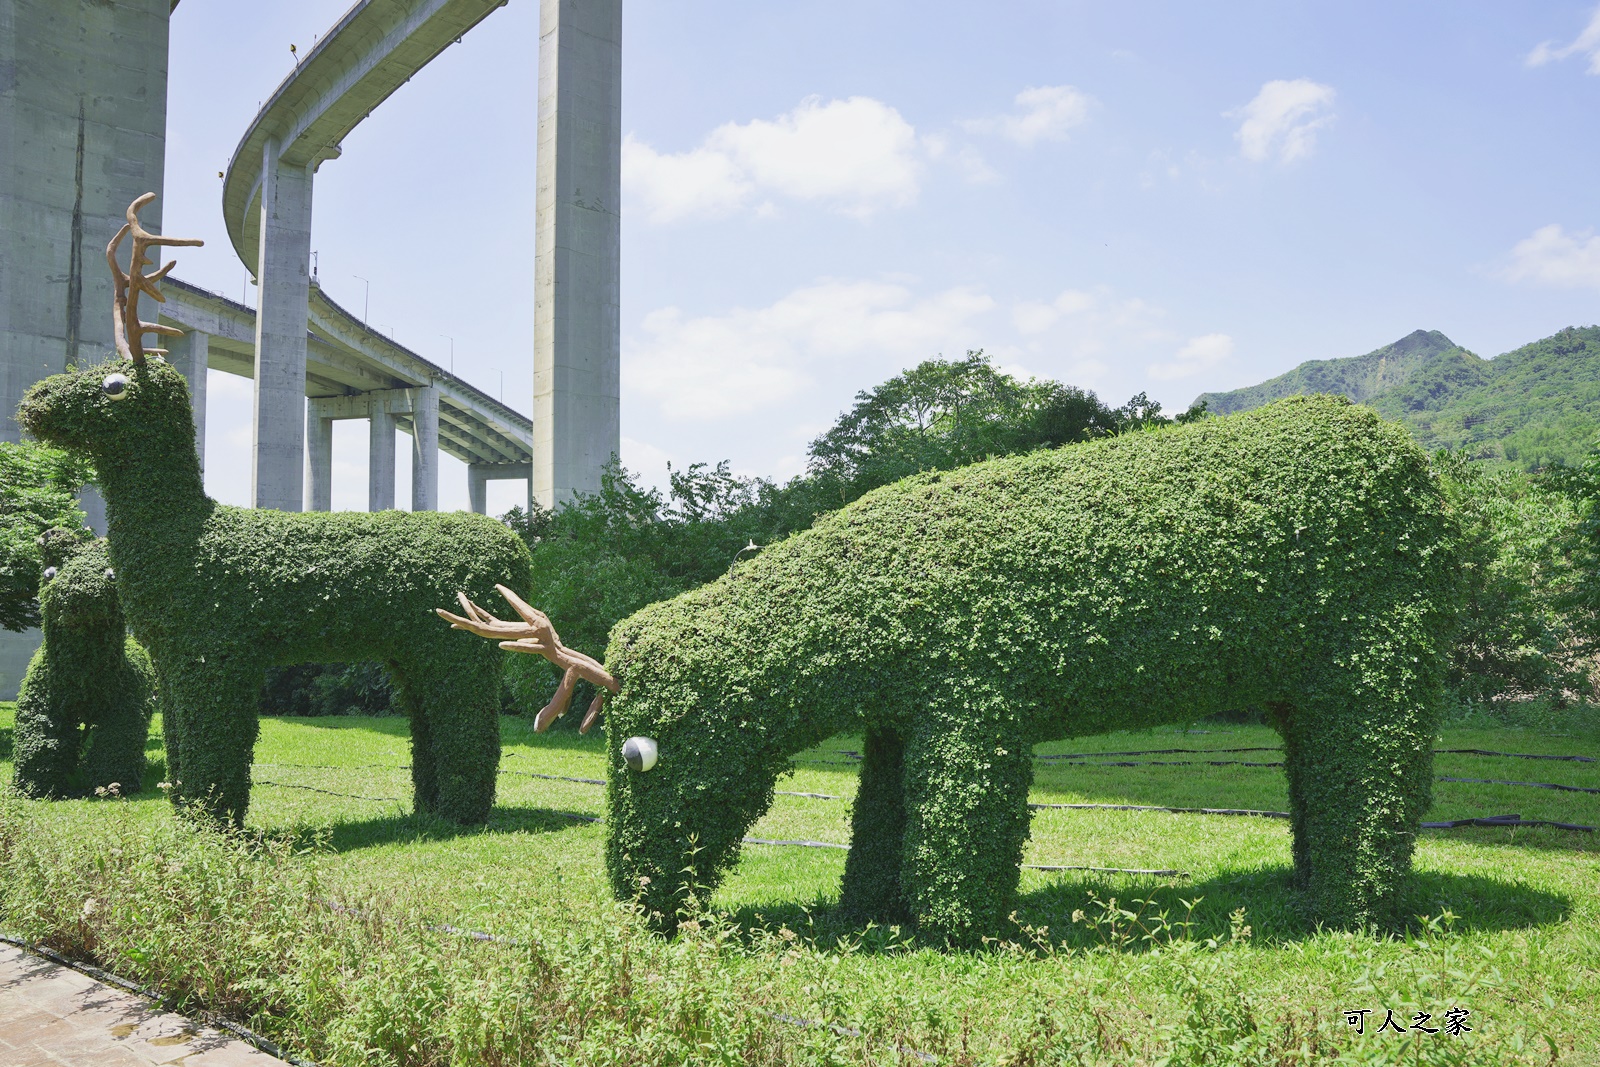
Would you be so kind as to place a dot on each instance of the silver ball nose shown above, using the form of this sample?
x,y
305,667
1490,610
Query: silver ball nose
x,y
49,573
111,575
115,386
640,753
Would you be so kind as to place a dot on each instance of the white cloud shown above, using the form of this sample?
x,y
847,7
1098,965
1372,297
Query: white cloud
x,y
1044,113
858,156
1200,354
747,360
1033,317
1283,120
1587,42
1551,256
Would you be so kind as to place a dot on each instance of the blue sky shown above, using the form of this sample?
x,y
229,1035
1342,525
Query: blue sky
x,y
1170,198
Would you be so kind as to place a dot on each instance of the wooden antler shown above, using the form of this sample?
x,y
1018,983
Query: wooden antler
x,y
535,634
127,329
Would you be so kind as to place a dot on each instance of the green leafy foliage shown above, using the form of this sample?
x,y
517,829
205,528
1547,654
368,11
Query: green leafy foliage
x,y
608,554
1532,407
83,713
219,594
322,689
36,494
1518,637
1298,558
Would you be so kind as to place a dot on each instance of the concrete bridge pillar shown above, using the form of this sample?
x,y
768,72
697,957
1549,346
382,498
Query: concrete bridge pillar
x,y
425,449
191,354
479,475
283,278
380,461
577,246
319,459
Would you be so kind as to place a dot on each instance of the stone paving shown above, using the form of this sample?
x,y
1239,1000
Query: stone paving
x,y
53,1016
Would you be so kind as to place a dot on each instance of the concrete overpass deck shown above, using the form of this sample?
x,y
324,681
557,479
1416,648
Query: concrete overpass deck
x,y
369,53
353,371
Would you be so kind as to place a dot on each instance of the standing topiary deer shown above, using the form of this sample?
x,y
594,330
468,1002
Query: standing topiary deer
x,y
218,594
83,713
1297,558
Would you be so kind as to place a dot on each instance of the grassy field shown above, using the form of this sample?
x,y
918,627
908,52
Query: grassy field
x,y
335,925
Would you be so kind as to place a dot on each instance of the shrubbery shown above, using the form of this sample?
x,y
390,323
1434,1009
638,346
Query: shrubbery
x,y
1298,558
36,494
609,553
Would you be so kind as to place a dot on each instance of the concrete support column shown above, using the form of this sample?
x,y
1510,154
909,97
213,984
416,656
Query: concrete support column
x,y
319,461
283,281
380,462
479,475
577,273
191,354
425,449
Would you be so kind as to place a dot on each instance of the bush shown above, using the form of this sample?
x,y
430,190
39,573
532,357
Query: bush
x,y
1517,639
83,713
320,689
36,494
219,594
1297,558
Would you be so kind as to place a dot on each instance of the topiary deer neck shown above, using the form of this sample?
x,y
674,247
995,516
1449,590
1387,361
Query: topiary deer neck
x,y
152,499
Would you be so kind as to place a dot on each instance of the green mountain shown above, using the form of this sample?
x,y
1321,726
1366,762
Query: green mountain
x,y
1537,405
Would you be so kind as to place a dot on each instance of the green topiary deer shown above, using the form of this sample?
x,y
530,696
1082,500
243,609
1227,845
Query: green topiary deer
x,y
83,713
1297,558
218,594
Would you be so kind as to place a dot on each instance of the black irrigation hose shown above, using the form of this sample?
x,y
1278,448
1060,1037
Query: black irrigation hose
x,y
1165,763
1156,752
211,1019
325,792
1160,807
1482,820
1529,785
1510,755
1504,820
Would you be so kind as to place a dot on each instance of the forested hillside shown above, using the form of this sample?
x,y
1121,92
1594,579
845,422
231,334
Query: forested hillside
x,y
1531,407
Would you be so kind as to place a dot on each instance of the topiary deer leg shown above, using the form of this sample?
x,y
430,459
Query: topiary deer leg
x,y
453,698
114,746
967,775
871,889
1360,769
217,713
46,742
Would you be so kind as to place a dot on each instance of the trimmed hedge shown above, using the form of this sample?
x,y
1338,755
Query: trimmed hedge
x,y
218,594
84,709
1296,558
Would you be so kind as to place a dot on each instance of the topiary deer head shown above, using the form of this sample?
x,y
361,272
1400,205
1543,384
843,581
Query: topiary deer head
x,y
127,407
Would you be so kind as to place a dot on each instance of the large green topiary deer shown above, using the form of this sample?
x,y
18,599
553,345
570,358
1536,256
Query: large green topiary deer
x,y
1297,558
218,594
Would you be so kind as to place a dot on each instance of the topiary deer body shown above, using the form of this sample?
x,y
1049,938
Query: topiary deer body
x,y
83,712
218,594
1297,558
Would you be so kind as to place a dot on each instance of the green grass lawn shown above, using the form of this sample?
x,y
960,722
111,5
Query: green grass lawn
x,y
1116,985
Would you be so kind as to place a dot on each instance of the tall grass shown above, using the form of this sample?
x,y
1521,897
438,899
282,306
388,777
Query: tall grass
x,y
247,925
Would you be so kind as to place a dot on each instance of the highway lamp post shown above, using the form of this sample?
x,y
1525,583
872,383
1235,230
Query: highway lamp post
x,y
366,299
452,341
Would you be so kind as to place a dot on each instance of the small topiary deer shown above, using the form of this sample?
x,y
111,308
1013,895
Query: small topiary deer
x,y
83,713
218,594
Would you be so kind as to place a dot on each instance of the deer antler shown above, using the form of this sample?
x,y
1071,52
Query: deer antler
x,y
127,329
535,634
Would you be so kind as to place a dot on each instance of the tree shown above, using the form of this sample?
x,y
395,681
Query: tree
x,y
37,487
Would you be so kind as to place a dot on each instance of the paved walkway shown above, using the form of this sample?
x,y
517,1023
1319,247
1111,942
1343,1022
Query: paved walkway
x,y
53,1016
